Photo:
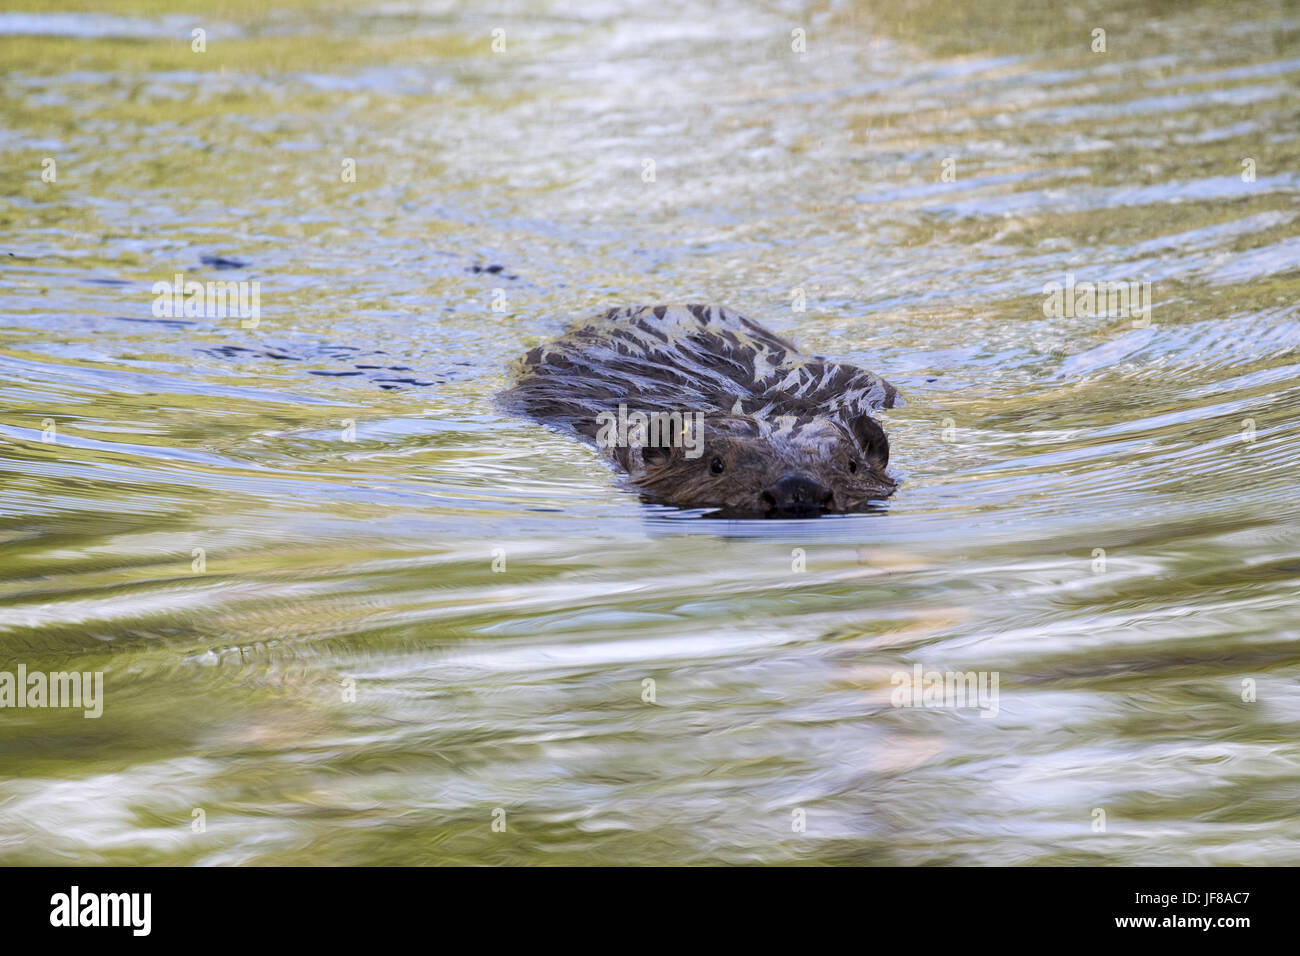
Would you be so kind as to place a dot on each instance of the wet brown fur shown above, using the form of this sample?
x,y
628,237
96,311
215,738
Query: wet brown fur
x,y
784,434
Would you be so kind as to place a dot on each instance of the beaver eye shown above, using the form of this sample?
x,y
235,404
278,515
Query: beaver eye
x,y
716,466
853,467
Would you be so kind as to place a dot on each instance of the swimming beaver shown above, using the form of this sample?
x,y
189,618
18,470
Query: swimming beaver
x,y
706,409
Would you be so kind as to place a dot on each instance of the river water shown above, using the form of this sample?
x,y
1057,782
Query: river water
x,y
344,623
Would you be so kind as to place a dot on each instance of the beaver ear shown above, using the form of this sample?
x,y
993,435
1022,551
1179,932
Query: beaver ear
x,y
871,438
656,454
636,459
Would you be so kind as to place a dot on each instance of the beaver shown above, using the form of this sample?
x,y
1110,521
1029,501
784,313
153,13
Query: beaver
x,y
704,408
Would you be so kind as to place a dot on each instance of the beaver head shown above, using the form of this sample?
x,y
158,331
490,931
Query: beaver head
x,y
785,467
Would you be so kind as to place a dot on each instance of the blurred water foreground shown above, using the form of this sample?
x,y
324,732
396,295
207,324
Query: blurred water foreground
x,y
366,618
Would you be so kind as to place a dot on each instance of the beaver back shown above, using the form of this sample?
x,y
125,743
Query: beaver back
x,y
686,358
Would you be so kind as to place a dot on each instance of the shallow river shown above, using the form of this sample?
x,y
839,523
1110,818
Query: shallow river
x,y
367,618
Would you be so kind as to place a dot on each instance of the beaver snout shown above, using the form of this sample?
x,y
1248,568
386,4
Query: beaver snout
x,y
797,496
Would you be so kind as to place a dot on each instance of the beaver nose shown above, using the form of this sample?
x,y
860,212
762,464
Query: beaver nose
x,y
797,495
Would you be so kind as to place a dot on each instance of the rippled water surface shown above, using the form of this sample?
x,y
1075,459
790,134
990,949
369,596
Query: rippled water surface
x,y
369,650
